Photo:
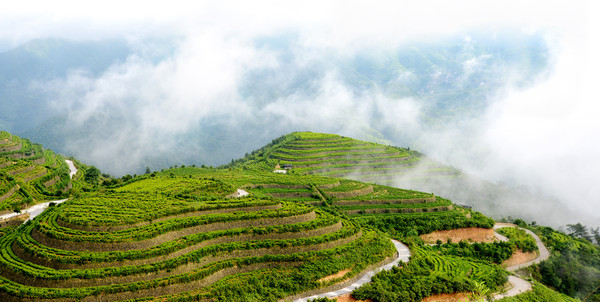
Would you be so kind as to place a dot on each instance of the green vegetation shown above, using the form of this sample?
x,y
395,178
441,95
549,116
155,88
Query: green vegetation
x,y
519,238
429,273
174,231
494,252
573,267
184,234
405,225
540,293
338,156
29,174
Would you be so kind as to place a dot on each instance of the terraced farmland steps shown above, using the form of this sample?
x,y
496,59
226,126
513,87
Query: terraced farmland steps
x,y
37,209
81,250
338,156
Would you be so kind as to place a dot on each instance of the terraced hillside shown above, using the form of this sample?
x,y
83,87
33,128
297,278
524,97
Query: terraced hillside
x,y
29,174
176,234
337,156
179,235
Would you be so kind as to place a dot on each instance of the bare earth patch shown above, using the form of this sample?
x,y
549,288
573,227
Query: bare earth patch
x,y
456,297
349,298
519,257
334,276
472,234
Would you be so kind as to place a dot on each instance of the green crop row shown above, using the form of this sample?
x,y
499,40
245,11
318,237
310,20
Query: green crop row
x,y
125,208
438,203
413,224
325,145
47,225
430,273
344,164
344,155
385,192
281,190
519,238
10,261
8,182
186,186
31,246
364,246
307,136
336,149
347,185
277,283
50,157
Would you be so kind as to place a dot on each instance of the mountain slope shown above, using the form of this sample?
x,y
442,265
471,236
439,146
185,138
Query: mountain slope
x,y
337,156
239,234
30,174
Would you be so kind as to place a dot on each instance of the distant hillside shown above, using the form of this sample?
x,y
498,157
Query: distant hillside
x,y
30,174
450,79
338,156
26,102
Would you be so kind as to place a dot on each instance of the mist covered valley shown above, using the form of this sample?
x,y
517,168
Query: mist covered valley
x,y
508,106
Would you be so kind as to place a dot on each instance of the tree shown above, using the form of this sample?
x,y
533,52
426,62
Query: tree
x,y
148,170
92,174
578,230
596,235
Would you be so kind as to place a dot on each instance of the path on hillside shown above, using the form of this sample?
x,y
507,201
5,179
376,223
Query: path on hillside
x,y
33,211
37,209
520,285
403,254
238,193
72,168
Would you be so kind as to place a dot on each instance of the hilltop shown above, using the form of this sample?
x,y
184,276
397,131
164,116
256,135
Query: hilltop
x,y
332,155
338,156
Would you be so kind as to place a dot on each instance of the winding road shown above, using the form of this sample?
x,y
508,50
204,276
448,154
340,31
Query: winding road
x,y
403,254
543,251
520,285
72,168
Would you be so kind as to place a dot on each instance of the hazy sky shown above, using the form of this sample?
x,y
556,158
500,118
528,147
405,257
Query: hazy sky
x,y
547,135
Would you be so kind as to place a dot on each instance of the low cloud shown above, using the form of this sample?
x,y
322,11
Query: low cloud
x,y
222,90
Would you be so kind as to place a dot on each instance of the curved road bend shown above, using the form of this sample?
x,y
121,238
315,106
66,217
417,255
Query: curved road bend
x,y
520,285
403,254
543,251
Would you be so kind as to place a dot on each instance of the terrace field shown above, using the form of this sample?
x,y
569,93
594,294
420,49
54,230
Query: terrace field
x,y
338,156
29,174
